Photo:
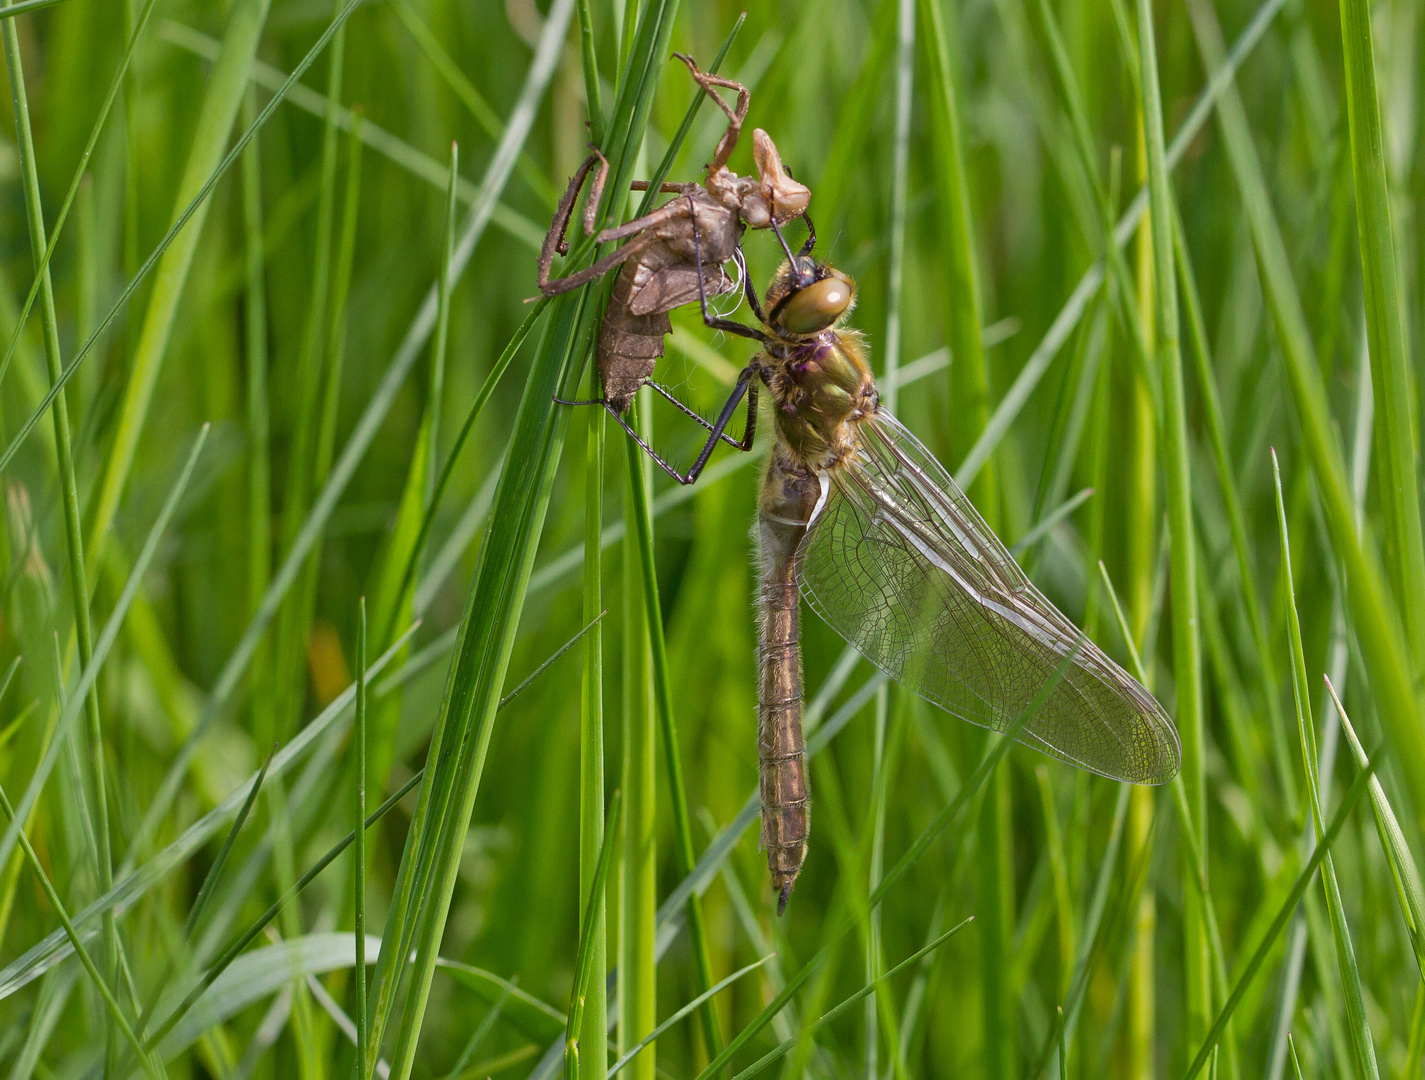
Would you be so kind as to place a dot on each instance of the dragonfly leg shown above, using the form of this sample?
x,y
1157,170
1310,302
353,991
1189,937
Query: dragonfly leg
x,y
693,415
811,236
671,209
598,269
746,385
707,81
557,237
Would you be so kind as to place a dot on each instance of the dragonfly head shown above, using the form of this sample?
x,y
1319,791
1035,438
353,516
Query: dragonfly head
x,y
808,296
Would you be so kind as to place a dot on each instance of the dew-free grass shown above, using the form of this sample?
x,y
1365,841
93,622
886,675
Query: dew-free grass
x,y
1196,226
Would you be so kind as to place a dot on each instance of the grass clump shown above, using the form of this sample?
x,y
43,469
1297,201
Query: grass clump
x,y
1145,278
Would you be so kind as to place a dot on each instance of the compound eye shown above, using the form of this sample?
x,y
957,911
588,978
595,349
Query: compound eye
x,y
819,305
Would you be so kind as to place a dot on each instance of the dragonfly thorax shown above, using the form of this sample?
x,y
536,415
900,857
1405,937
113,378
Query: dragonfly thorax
x,y
822,389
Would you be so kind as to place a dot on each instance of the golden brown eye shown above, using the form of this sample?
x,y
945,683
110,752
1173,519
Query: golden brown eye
x,y
819,305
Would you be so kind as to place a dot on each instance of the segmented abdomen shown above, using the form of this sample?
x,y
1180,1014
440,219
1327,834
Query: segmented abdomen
x,y
788,495
629,345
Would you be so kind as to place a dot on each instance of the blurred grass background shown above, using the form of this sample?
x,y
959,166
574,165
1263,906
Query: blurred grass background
x,y
338,301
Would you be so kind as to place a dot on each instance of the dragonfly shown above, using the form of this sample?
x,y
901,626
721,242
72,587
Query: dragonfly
x,y
858,517
660,269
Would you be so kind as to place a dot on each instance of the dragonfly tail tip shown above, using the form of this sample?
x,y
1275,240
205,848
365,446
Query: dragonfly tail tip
x,y
783,897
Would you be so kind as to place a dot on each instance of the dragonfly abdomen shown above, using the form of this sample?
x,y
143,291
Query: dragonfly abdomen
x,y
788,494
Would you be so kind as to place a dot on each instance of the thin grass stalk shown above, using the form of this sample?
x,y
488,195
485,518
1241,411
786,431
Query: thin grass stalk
x,y
276,909
483,208
80,171
1391,372
136,884
442,326
895,272
1059,873
1357,1022
288,683
1196,863
390,146
205,891
1014,399
502,574
842,920
69,497
585,961
1086,149
668,729
415,338
259,461
593,98
1187,648
1141,508
969,379
1227,486
871,987
471,98
359,862
25,7
638,883
114,1012
1403,871
89,674
395,586
1374,617
969,373
593,1033
843,159
226,89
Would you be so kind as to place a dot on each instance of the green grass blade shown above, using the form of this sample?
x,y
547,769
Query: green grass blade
x,y
98,799
685,1011
471,98
25,7
638,871
969,374
1403,870
831,1014
140,23
668,729
359,863
1391,373
592,838
1246,574
1187,648
1063,324
135,884
1283,916
394,149
1358,1024
586,957
111,1004
1374,617
90,673
196,207
363,434
496,598
205,157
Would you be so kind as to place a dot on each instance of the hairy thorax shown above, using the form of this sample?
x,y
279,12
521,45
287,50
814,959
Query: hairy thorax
x,y
822,389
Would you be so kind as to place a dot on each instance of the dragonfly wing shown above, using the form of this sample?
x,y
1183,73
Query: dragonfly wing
x,y
898,562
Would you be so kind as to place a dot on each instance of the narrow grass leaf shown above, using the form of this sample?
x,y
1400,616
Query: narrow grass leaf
x,y
1403,870
1391,372
1357,1022
1374,617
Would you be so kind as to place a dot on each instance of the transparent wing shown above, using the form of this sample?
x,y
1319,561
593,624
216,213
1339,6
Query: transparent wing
x,y
898,562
